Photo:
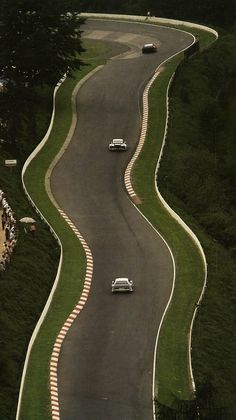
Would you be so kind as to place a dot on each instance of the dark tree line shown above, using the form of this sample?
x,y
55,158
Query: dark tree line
x,y
201,150
214,12
40,42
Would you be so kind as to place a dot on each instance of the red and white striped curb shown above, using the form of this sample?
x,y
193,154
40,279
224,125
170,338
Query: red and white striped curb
x,y
55,408
127,177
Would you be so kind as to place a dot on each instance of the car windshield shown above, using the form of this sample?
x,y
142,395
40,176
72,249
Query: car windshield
x,y
121,283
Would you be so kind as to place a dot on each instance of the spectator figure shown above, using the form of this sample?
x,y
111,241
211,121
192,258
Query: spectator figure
x,y
7,232
11,235
1,198
13,244
3,221
9,226
2,265
4,205
33,229
7,259
148,15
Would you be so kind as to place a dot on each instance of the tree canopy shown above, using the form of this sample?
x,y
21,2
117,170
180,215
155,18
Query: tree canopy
x,y
214,12
40,41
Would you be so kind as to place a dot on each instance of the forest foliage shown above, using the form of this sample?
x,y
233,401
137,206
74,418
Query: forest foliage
x,y
202,134
200,151
212,12
40,43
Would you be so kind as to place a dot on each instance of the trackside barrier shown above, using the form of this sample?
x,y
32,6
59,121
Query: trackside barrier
x,y
45,310
140,19
129,187
55,405
171,212
47,186
152,19
192,49
182,223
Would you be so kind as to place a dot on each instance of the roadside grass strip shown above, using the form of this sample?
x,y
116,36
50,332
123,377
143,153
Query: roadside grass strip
x,y
173,371
173,347
66,303
173,361
36,402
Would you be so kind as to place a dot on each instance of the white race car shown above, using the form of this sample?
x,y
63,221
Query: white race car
x,y
118,144
122,285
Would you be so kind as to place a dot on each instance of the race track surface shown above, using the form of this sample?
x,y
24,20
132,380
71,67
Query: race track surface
x,y
106,363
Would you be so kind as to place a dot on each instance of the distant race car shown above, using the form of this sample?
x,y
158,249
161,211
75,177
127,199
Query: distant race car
x,y
122,285
118,144
149,48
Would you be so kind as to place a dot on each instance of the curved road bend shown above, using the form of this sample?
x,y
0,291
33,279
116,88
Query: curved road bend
x,y
106,362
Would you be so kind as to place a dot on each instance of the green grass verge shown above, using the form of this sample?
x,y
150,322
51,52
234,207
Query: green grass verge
x,y
174,381
173,368
172,358
36,398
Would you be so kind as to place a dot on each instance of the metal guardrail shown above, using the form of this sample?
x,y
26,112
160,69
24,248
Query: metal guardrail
x,y
142,19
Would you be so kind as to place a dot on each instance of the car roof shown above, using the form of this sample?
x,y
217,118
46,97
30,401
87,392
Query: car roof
x,y
122,279
149,45
118,141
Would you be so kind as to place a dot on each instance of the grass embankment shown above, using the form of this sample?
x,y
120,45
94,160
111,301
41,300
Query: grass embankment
x,y
27,282
36,395
178,383
36,403
174,383
172,357
200,151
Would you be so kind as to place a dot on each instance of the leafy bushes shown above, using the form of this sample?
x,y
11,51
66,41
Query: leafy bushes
x,y
202,139
201,184
24,288
27,282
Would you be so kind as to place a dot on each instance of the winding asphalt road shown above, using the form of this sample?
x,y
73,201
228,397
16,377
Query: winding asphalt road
x,y
106,363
